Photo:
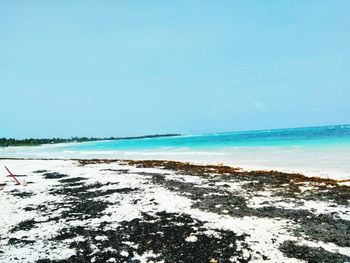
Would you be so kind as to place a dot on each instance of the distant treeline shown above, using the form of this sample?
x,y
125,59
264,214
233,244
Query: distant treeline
x,y
4,142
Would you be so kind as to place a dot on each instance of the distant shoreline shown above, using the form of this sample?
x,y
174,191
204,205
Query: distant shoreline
x,y
6,142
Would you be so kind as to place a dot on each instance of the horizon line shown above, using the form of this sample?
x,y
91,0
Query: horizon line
x,y
176,134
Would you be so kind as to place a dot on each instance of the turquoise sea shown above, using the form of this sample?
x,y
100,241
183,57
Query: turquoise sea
x,y
315,151
336,135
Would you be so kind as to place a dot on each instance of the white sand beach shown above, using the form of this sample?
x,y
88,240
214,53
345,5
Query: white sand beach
x,y
115,211
174,131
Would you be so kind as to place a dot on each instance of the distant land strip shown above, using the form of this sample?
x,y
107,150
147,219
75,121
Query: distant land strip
x,y
5,142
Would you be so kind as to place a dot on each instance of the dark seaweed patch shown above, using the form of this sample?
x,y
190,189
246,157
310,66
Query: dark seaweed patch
x,y
163,233
82,191
54,175
119,171
20,175
80,202
166,236
84,209
89,191
22,194
14,241
40,171
311,254
339,194
29,208
72,180
325,228
286,185
24,225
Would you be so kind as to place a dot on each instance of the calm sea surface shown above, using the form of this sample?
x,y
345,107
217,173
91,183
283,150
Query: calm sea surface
x,y
315,151
303,137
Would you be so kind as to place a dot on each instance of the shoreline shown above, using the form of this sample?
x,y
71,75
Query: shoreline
x,y
343,178
328,162
12,142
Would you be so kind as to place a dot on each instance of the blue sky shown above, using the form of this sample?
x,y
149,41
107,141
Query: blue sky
x,y
120,68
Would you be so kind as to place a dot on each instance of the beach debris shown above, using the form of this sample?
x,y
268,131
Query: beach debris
x,y
14,177
213,260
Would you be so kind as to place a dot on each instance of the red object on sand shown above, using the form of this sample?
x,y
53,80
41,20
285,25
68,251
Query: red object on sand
x,y
12,175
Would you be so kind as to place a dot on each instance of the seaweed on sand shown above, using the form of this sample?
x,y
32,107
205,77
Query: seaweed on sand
x,y
163,234
54,175
311,254
326,228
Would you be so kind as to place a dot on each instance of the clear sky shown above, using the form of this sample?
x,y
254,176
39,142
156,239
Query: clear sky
x,y
120,68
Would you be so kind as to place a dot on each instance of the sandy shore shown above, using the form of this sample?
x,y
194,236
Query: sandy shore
x,y
166,211
327,162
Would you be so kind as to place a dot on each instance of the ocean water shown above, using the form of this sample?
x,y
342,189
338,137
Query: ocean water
x,y
295,137
316,151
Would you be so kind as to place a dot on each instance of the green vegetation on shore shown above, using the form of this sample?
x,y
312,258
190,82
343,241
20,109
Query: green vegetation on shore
x,y
4,142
